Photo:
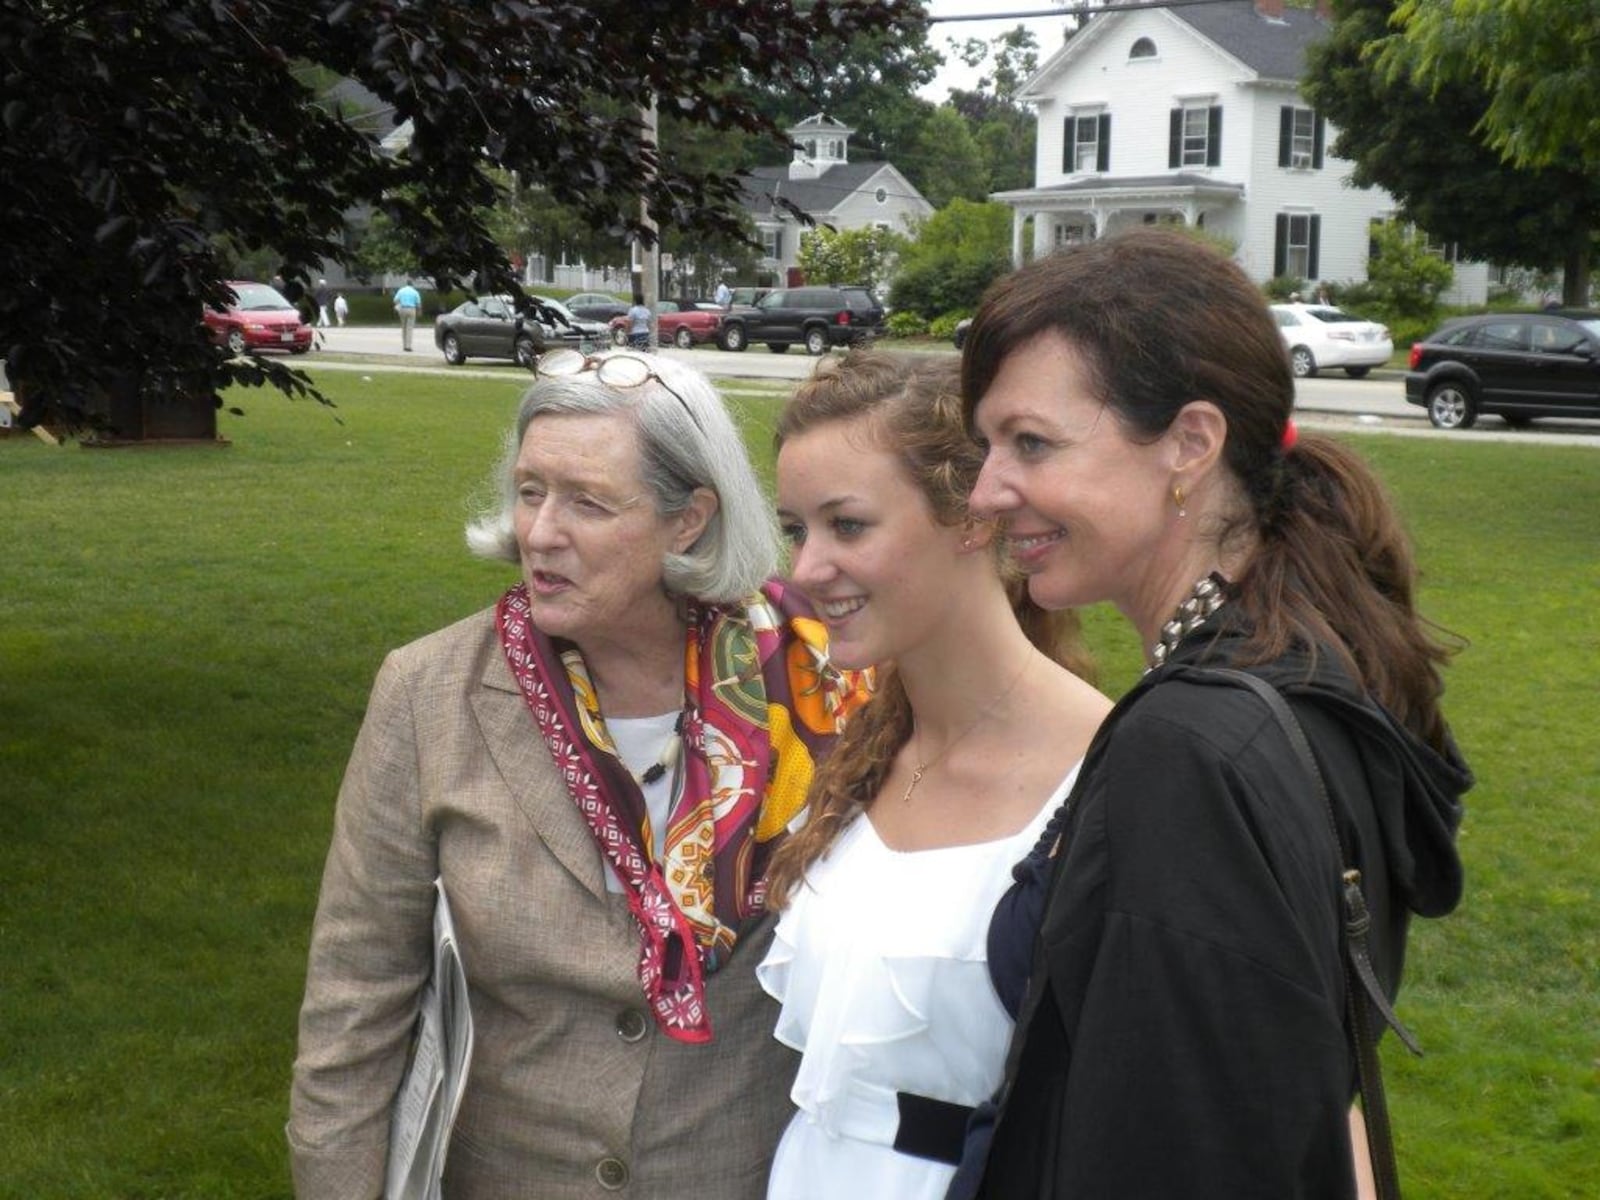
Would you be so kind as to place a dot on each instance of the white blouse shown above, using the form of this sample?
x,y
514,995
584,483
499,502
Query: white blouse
x,y
880,963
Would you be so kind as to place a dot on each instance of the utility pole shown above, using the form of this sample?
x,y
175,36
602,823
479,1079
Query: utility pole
x,y
650,255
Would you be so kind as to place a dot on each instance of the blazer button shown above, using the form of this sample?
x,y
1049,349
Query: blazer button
x,y
631,1026
612,1174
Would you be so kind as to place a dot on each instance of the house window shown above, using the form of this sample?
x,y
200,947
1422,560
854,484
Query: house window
x,y
1301,133
881,195
1087,143
1295,251
1143,48
1195,136
772,243
1072,235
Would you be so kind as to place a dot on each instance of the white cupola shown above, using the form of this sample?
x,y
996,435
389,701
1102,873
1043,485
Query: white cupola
x,y
819,143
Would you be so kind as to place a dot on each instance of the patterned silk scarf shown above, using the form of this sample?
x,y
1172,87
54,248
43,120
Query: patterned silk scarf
x,y
761,702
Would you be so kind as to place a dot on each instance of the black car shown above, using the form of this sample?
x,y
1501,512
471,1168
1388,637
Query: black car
x,y
815,317
1517,366
491,327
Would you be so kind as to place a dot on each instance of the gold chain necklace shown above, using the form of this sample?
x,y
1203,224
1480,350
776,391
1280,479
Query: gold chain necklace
x,y
923,767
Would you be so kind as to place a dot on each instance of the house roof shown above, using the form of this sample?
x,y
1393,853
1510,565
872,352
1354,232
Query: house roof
x,y
822,194
1274,49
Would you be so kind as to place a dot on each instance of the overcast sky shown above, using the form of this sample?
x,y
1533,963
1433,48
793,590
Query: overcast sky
x,y
1046,30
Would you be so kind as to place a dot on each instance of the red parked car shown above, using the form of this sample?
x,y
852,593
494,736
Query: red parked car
x,y
258,319
682,323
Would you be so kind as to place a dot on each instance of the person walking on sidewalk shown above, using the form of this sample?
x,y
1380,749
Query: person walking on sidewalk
x,y
407,303
323,295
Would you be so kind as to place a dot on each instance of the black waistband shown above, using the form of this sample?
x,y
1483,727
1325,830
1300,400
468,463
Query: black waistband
x,y
932,1129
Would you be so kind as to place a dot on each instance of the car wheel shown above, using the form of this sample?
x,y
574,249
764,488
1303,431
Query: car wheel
x,y
525,351
235,341
1302,363
1451,406
619,337
299,349
732,338
683,339
452,350
778,347
816,342
1358,372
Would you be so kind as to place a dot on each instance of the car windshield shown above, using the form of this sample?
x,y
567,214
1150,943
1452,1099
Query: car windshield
x,y
1333,316
1591,326
859,298
258,297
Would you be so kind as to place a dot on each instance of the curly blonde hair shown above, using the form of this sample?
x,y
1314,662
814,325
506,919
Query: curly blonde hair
x,y
914,406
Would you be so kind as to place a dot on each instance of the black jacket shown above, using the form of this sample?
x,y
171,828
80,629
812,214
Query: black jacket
x,y
1184,1032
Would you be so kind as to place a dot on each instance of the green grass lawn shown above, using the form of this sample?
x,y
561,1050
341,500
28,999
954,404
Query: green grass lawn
x,y
185,650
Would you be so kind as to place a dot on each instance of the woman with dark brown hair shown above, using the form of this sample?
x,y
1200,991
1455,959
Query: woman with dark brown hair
x,y
1178,930
936,788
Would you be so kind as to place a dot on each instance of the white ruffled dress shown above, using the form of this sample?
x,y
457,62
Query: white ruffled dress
x,y
880,963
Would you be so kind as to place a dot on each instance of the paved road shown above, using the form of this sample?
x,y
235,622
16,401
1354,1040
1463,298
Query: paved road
x,y
1332,401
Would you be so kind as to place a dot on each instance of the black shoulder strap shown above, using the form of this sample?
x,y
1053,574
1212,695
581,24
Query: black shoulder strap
x,y
1358,960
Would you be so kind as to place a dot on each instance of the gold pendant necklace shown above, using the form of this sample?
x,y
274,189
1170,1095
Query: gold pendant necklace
x,y
923,767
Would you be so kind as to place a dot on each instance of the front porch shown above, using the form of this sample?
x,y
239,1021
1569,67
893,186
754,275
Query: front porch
x,y
1088,209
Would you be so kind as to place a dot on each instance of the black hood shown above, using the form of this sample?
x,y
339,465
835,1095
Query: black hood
x,y
1419,816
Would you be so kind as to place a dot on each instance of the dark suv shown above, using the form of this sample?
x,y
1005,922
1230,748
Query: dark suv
x,y
816,317
1516,365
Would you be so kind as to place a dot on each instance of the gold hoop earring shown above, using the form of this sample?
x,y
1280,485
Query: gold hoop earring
x,y
1177,498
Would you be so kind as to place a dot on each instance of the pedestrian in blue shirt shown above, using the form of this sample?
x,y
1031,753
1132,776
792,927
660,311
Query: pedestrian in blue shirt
x,y
407,303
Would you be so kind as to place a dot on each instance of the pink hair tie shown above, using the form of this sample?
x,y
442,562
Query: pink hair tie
x,y
1291,435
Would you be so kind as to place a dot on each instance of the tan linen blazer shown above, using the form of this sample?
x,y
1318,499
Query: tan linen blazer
x,y
573,1091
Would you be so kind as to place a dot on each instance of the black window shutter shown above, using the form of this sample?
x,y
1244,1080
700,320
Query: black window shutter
x,y
1285,134
1280,245
1069,144
1214,137
1102,158
1318,138
1316,243
1175,140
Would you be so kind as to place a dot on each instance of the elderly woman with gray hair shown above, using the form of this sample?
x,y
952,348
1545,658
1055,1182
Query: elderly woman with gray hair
x,y
597,768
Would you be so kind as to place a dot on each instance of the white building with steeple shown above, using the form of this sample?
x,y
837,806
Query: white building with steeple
x,y
823,183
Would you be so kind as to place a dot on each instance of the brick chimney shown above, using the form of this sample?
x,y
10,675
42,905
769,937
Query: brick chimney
x,y
1270,9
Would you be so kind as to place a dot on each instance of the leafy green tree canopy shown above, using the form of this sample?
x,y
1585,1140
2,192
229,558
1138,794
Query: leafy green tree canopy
x,y
1421,143
138,132
1538,60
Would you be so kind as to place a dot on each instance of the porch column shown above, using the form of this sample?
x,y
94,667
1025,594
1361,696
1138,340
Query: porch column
x,y
1018,220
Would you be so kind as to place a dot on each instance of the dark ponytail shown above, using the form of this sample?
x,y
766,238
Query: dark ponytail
x,y
1336,570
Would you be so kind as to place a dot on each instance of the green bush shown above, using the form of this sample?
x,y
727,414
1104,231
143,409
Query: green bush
x,y
906,324
1281,287
1404,330
956,254
943,326
1403,271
